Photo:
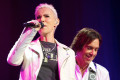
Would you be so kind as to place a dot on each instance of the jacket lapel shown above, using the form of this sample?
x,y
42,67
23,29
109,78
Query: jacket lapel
x,y
36,47
62,56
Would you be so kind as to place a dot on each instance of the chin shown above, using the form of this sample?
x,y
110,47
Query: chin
x,y
87,62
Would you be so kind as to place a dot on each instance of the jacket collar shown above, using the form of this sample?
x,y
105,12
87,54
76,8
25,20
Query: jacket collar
x,y
35,46
92,66
61,48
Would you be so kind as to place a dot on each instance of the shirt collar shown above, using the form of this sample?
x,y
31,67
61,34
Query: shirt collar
x,y
92,66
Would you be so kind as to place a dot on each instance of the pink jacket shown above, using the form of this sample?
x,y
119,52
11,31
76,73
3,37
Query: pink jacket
x,y
30,55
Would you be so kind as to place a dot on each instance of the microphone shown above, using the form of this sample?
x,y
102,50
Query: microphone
x,y
33,25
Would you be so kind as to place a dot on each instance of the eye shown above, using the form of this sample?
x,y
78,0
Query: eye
x,y
96,49
46,15
38,17
89,48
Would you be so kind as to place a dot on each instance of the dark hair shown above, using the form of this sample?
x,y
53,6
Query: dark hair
x,y
85,36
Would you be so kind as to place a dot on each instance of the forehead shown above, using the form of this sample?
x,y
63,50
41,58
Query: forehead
x,y
45,10
94,43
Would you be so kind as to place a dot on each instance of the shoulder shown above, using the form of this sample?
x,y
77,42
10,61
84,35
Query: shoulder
x,y
101,68
102,71
64,47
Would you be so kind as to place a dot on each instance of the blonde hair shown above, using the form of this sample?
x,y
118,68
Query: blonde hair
x,y
47,6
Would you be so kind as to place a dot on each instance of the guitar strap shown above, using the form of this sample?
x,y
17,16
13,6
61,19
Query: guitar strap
x,y
92,73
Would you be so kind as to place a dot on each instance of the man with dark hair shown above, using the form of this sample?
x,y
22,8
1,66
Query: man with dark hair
x,y
86,44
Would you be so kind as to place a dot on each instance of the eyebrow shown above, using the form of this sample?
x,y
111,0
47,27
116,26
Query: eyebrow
x,y
91,46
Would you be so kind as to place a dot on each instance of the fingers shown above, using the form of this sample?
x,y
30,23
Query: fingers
x,y
36,24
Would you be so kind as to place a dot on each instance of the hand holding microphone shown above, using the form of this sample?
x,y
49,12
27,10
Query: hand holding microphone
x,y
33,24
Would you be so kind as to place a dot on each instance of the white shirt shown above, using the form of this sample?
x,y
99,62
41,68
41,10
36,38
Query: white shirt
x,y
101,72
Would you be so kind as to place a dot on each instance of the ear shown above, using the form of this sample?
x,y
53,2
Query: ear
x,y
57,22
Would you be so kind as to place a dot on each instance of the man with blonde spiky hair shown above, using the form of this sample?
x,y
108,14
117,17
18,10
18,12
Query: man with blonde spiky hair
x,y
44,58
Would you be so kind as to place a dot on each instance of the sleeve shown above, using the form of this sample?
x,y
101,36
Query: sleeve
x,y
15,56
107,77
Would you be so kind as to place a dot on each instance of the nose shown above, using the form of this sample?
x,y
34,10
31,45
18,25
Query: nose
x,y
42,19
92,52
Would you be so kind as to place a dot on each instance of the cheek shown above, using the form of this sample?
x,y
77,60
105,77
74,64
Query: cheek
x,y
84,53
95,55
50,22
87,51
47,20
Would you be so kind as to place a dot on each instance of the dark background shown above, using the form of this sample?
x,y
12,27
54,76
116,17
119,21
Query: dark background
x,y
101,15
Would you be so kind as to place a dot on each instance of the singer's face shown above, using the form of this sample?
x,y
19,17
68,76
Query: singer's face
x,y
49,19
88,52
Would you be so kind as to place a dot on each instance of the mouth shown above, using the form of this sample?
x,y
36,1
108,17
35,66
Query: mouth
x,y
89,57
44,26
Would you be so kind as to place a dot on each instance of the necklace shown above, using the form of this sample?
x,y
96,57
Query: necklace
x,y
47,49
